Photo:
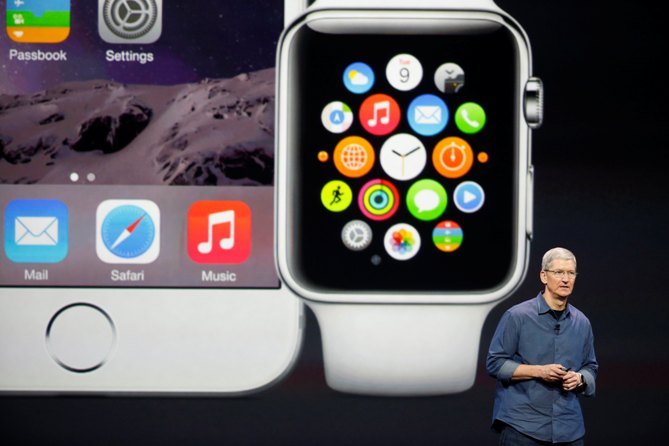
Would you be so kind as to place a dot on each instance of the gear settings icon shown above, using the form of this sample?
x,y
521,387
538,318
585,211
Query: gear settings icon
x,y
356,235
130,21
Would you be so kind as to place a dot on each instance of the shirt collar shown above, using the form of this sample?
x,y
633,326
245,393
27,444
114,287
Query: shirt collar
x,y
543,307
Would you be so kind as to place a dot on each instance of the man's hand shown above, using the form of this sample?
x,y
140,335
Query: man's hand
x,y
571,381
552,373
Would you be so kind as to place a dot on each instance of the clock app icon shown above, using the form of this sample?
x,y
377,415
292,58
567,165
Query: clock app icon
x,y
403,157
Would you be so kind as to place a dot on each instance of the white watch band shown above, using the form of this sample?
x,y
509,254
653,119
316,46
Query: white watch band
x,y
402,350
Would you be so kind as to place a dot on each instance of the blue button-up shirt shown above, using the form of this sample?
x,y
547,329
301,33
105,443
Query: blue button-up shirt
x,y
528,333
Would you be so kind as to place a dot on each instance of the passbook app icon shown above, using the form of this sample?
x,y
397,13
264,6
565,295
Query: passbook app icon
x,y
219,232
38,21
36,231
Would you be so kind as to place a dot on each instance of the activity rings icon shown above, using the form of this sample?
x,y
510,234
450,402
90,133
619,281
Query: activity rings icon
x,y
378,199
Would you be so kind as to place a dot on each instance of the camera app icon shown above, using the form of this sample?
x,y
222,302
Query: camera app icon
x,y
130,21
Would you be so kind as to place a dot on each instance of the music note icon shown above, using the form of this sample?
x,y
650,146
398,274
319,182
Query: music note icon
x,y
380,108
380,114
218,218
219,232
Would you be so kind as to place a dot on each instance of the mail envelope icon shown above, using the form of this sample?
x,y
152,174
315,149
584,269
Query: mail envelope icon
x,y
427,114
36,231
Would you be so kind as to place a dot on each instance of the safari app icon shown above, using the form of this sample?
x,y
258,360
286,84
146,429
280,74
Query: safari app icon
x,y
127,231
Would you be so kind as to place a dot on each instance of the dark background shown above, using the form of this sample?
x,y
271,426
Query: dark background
x,y
600,191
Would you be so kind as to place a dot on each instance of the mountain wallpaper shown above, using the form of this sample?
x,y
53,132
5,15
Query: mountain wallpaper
x,y
214,132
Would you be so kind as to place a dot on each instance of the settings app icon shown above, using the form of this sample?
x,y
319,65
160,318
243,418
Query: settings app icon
x,y
130,21
356,235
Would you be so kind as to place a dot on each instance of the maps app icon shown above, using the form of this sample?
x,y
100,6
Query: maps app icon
x,y
38,21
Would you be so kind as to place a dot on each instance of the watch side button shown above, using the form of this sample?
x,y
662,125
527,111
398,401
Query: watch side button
x,y
534,102
529,219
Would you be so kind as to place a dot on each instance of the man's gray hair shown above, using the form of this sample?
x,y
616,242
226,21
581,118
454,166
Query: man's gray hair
x,y
555,254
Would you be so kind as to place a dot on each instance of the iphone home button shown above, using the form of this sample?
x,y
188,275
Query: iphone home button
x,y
80,337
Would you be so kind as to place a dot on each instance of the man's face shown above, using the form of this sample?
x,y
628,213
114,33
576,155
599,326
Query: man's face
x,y
559,278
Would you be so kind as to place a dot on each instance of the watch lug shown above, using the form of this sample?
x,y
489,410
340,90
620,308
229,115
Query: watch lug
x,y
534,102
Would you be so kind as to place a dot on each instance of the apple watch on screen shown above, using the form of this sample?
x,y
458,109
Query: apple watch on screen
x,y
404,183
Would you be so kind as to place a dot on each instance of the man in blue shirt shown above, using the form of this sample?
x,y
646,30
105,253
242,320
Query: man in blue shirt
x,y
543,356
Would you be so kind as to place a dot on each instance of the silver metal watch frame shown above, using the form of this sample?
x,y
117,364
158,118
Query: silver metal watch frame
x,y
341,20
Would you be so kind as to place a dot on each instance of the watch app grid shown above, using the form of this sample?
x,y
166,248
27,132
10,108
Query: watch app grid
x,y
403,156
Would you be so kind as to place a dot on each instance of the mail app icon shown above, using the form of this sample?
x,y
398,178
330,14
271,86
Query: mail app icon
x,y
36,231
427,114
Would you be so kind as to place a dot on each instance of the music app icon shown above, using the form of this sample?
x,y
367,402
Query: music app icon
x,y
219,232
380,114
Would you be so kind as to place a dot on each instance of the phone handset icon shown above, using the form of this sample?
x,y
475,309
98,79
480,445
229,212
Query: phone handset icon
x,y
470,118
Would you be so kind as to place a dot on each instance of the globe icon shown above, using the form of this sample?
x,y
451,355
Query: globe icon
x,y
354,156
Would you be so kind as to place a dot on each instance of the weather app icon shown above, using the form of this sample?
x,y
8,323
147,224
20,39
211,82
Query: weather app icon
x,y
358,78
124,21
128,231
38,21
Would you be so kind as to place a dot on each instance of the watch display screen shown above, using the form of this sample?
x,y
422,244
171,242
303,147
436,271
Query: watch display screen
x,y
136,143
404,154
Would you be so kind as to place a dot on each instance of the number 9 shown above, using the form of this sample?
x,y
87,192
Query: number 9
x,y
404,75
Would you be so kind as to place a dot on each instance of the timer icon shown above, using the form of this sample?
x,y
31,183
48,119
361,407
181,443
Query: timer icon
x,y
453,157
